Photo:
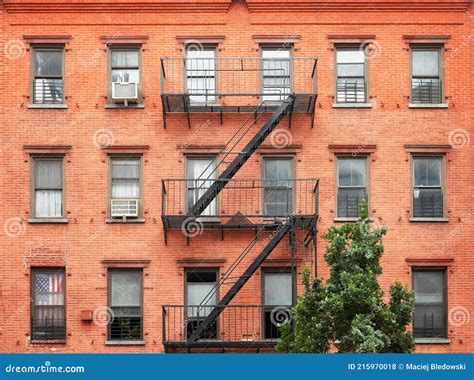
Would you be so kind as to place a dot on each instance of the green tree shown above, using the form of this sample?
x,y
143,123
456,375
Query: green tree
x,y
348,310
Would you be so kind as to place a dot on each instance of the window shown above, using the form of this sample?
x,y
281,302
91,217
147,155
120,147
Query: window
x,y
276,79
200,172
429,316
277,300
351,186
426,80
278,182
125,301
48,185
125,186
125,73
201,74
351,81
427,187
200,291
48,315
48,75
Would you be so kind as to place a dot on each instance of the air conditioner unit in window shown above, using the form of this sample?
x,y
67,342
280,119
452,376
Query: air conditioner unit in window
x,y
124,208
124,91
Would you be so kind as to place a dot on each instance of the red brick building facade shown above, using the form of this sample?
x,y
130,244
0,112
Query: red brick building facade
x,y
104,101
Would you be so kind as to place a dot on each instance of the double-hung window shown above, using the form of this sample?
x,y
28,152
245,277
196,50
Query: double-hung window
x,y
428,187
426,75
429,315
125,73
125,302
201,76
276,73
278,184
351,185
48,314
125,186
351,69
48,75
48,187
200,174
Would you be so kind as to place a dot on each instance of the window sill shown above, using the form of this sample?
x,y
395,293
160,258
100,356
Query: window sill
x,y
352,105
47,106
128,220
48,341
428,220
432,341
343,219
427,105
48,221
120,106
124,342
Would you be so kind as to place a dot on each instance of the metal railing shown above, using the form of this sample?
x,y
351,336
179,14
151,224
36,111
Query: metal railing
x,y
243,200
204,79
237,324
48,328
48,91
426,90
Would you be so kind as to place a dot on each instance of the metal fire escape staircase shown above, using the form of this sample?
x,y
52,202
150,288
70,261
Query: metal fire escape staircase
x,y
282,227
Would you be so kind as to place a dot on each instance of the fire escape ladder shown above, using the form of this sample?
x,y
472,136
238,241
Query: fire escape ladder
x,y
242,157
278,234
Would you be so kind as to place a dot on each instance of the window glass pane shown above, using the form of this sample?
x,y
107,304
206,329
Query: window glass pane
x,y
351,172
125,288
199,284
350,56
278,169
200,62
350,70
278,289
49,174
48,63
124,58
427,171
49,289
125,190
126,75
425,63
201,168
276,53
429,286
129,169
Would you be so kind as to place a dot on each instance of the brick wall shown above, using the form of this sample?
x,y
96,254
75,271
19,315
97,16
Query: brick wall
x,y
86,240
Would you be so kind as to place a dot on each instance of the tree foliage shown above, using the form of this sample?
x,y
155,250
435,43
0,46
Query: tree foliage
x,y
348,312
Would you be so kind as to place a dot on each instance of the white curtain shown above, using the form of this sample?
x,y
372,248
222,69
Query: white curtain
x,y
278,289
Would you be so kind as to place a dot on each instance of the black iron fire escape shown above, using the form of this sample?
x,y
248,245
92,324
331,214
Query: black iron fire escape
x,y
282,227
